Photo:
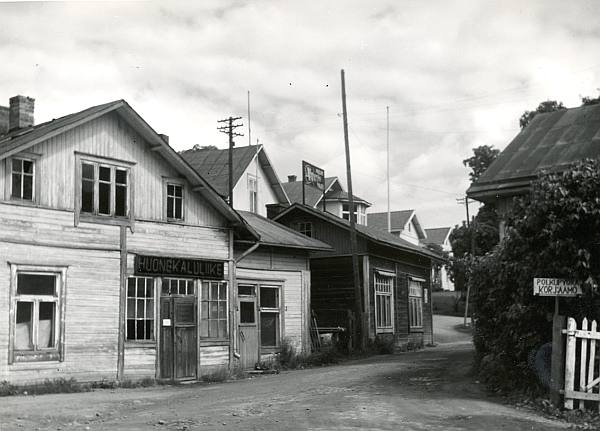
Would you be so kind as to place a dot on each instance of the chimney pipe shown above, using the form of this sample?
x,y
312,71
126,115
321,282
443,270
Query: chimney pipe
x,y
291,178
20,112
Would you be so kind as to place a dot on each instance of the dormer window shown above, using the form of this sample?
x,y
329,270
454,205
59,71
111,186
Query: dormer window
x,y
22,179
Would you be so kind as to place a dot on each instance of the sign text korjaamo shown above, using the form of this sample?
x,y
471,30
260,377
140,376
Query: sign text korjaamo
x,y
556,287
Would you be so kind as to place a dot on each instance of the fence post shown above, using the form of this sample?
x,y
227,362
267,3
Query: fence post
x,y
582,374
570,361
592,356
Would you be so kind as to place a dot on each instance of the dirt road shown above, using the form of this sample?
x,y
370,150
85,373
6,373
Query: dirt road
x,y
426,390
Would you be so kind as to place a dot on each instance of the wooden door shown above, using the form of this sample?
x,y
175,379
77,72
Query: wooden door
x,y
178,351
248,331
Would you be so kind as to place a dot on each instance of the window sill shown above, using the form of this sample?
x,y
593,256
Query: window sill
x,y
37,356
131,344
417,329
117,221
384,330
213,342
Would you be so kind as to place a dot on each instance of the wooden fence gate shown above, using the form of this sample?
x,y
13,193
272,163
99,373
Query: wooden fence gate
x,y
584,363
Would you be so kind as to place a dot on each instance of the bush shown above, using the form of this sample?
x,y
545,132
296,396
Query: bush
x,y
554,232
289,359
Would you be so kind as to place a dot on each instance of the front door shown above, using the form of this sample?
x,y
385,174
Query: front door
x,y
178,337
248,326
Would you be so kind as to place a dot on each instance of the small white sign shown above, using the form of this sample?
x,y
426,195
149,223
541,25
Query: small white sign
x,y
166,322
556,287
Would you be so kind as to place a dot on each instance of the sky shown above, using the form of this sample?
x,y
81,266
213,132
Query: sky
x,y
454,74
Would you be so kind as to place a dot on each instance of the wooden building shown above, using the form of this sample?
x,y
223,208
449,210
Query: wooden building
x,y
117,257
394,277
273,273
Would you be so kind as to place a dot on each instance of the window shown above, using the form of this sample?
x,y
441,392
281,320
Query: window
x,y
213,309
140,309
22,179
104,189
177,286
269,316
305,228
253,193
384,302
174,201
415,302
359,211
36,334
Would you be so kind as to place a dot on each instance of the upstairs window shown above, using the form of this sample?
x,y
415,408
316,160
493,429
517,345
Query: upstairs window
x,y
104,189
253,193
174,201
22,179
305,228
360,215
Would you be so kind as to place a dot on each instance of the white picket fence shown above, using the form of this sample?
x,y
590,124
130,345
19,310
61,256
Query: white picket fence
x,y
588,388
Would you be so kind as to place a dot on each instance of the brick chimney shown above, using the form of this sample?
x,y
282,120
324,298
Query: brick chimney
x,y
291,178
4,119
20,112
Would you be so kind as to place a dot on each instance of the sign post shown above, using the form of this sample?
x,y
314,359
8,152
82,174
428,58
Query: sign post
x,y
556,287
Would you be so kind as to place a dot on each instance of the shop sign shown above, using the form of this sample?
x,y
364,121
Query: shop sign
x,y
556,287
179,267
313,175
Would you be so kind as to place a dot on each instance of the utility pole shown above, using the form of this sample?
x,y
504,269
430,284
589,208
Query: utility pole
x,y
389,214
357,288
229,130
460,201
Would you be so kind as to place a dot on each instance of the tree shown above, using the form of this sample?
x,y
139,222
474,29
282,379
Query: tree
x,y
482,158
552,232
586,101
547,106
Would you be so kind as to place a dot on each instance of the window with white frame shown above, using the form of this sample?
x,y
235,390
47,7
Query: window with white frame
x,y
104,189
384,301
177,286
253,193
22,178
360,215
415,303
305,228
140,309
270,310
174,201
37,300
213,309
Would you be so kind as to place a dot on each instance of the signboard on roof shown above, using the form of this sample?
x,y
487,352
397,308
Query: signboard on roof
x,y
313,175
556,287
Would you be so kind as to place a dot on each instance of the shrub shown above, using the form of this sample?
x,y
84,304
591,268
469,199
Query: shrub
x,y
553,232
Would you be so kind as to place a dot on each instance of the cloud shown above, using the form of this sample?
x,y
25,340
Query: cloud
x,y
456,74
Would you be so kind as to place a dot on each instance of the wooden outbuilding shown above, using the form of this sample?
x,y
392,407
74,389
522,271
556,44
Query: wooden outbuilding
x,y
394,278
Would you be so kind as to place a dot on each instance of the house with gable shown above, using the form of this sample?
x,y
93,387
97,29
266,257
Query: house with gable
x,y
551,142
272,287
395,278
119,256
333,199
440,237
404,224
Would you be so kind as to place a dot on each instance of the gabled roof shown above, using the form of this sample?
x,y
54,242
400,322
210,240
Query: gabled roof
x,y
371,234
22,139
551,141
277,235
333,191
437,235
213,164
398,219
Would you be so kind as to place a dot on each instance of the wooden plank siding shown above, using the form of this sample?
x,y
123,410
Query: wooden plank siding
x,y
110,136
290,271
43,233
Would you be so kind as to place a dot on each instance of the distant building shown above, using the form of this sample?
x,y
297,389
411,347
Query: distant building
x,y
404,224
551,141
441,237
334,199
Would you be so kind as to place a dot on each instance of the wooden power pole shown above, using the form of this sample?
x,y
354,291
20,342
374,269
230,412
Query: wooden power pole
x,y
353,245
229,130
